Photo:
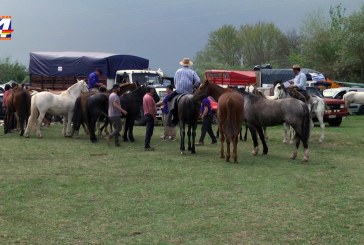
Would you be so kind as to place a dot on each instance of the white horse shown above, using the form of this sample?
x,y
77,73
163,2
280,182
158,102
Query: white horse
x,y
353,97
56,104
316,106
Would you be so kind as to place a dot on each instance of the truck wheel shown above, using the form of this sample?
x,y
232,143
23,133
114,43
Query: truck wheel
x,y
335,122
361,110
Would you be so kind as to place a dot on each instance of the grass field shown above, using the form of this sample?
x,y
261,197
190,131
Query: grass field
x,y
59,190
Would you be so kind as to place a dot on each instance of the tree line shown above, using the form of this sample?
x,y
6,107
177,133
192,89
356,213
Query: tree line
x,y
10,70
333,45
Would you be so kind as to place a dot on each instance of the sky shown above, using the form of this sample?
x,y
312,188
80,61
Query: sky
x,y
163,31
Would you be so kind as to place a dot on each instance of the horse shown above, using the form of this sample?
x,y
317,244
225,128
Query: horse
x,y
230,117
353,97
259,112
100,112
316,107
187,109
18,104
62,104
132,103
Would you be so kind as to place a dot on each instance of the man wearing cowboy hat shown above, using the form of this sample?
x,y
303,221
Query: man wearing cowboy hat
x,y
300,80
185,80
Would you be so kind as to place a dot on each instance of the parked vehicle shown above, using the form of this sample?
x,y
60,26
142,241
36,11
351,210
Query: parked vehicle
x,y
335,110
338,93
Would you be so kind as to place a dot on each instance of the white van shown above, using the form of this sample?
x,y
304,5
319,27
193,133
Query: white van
x,y
338,93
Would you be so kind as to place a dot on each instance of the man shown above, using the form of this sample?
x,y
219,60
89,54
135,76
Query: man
x,y
115,112
150,113
300,80
169,132
93,81
185,80
207,118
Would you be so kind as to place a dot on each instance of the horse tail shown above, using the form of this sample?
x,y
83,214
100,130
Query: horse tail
x,y
231,125
305,124
34,113
77,114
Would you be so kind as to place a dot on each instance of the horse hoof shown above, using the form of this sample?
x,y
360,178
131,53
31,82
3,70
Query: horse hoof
x,y
193,152
304,160
26,136
132,140
182,152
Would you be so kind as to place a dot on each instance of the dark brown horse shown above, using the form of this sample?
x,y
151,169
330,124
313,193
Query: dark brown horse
x,y
18,104
81,115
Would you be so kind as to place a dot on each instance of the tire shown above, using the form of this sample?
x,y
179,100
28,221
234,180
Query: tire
x,y
361,110
335,122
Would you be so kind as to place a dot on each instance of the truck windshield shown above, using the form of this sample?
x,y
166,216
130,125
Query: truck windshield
x,y
144,78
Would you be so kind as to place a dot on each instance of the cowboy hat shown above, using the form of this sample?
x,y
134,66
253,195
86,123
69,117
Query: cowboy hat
x,y
186,62
296,67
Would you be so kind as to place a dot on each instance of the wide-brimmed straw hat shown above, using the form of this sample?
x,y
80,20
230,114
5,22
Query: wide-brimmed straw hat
x,y
296,67
186,62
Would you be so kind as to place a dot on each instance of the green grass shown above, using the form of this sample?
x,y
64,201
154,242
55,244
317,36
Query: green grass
x,y
59,190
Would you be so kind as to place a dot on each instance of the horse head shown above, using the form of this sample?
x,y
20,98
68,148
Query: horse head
x,y
203,90
83,84
279,90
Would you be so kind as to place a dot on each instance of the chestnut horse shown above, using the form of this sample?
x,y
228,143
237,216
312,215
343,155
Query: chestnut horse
x,y
230,114
18,104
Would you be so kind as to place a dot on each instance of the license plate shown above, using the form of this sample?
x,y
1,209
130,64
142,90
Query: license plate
x,y
332,116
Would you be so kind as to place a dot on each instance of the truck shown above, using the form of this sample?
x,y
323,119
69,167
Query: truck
x,y
60,70
153,78
264,80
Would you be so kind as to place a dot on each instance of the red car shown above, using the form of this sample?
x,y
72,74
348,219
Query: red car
x,y
214,108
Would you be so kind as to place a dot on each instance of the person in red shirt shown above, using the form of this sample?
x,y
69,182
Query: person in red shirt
x,y
150,113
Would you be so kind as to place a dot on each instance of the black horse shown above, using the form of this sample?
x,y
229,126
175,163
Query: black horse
x,y
186,112
132,103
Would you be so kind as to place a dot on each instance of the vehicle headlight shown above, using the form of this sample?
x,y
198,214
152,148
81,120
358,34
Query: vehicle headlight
x,y
342,106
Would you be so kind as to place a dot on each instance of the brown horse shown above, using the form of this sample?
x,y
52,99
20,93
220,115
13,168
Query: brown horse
x,y
230,116
18,105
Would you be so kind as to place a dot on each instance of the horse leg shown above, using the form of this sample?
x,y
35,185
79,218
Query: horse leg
x,y
21,124
253,133
130,131
286,136
262,139
189,148
39,123
69,124
227,159
193,149
235,149
126,128
265,133
322,125
182,135
222,140
246,134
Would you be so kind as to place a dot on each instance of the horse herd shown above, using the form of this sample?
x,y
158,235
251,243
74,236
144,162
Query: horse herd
x,y
78,107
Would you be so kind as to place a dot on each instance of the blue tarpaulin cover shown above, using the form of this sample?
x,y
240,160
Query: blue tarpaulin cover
x,y
58,64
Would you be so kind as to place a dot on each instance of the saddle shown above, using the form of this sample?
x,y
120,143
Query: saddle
x,y
173,112
293,92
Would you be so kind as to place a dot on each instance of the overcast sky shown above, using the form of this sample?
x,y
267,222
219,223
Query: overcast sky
x,y
163,31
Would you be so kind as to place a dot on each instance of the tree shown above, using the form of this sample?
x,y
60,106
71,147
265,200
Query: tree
x,y
350,64
263,43
12,71
222,51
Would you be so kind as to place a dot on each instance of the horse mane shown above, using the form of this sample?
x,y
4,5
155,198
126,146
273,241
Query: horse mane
x,y
67,91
